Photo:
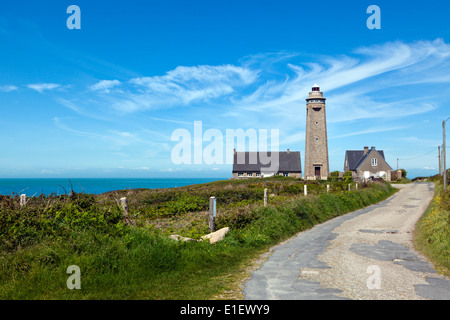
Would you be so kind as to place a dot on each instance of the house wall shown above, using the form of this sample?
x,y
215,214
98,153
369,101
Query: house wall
x,y
262,175
346,163
295,175
367,164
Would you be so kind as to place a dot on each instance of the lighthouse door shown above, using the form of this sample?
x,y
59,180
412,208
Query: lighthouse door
x,y
317,172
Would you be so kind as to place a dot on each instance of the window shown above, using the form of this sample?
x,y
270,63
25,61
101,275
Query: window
x,y
249,174
317,122
317,139
374,162
258,174
286,174
240,174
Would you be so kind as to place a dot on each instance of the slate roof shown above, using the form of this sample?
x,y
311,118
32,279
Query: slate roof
x,y
356,157
280,162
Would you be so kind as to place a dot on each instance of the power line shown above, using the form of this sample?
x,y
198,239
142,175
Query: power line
x,y
413,158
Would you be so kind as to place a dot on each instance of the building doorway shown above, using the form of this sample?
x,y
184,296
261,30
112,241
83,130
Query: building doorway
x,y
317,172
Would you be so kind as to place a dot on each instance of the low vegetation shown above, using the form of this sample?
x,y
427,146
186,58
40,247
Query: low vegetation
x,y
40,241
432,236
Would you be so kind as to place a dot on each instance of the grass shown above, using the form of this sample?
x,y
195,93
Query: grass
x,y
432,234
402,181
117,261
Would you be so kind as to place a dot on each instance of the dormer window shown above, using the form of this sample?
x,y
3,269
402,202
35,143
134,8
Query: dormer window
x,y
374,162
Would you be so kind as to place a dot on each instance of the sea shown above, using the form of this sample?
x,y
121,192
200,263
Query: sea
x,y
61,186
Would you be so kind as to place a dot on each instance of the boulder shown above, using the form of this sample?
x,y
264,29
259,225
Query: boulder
x,y
217,235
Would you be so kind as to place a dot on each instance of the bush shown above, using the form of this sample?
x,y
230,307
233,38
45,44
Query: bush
x,y
54,217
404,173
432,234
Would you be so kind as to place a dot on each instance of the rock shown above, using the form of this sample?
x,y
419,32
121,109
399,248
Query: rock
x,y
180,238
213,237
216,236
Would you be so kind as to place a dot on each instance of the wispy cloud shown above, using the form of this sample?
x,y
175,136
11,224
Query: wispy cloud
x,y
183,86
354,83
369,131
400,64
105,85
41,87
8,88
59,123
115,138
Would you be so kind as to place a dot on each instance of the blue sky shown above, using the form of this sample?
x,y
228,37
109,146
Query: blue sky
x,y
103,101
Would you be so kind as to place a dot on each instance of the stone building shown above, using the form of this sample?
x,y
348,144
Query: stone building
x,y
266,164
367,163
316,142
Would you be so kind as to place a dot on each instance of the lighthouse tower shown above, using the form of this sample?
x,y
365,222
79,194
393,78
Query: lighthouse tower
x,y
316,144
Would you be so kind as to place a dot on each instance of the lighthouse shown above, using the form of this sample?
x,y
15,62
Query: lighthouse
x,y
316,142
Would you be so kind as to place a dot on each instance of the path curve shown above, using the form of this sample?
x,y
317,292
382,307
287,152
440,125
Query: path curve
x,y
366,254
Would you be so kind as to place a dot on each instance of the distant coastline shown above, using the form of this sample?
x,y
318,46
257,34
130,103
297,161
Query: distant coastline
x,y
61,186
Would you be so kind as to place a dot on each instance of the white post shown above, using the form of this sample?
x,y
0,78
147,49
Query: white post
x,y
124,205
349,187
212,214
356,187
328,188
265,197
23,200
305,188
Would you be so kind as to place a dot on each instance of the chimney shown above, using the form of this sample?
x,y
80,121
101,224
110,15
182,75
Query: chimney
x,y
288,151
234,151
366,149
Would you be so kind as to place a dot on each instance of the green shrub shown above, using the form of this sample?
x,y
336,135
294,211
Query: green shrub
x,y
55,218
432,235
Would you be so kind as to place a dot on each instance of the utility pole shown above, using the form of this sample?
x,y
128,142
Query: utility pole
x,y
439,159
397,164
444,156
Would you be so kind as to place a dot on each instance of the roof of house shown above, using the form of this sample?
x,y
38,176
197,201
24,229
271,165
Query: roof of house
x,y
356,157
287,161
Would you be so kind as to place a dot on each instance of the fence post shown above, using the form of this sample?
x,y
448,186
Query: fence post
x,y
23,200
212,214
124,205
356,187
328,188
305,188
265,196
349,187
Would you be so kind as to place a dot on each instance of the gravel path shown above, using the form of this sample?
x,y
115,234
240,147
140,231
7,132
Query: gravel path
x,y
366,254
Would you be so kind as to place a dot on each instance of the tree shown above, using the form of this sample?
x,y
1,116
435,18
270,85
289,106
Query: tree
x,y
348,177
404,172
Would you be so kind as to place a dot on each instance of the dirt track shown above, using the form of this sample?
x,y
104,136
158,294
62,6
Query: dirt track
x,y
366,254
